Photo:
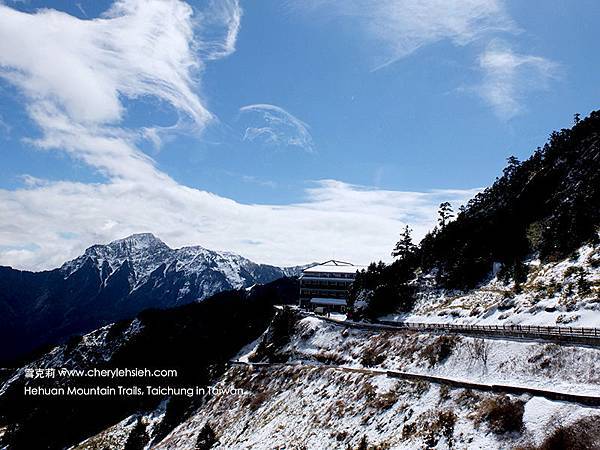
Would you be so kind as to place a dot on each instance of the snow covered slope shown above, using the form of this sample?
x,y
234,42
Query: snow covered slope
x,y
563,293
326,407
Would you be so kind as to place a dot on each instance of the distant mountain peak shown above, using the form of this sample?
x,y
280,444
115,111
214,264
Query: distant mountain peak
x,y
135,241
144,253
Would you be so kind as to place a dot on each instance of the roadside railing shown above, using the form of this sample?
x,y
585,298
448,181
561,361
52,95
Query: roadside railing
x,y
508,329
581,335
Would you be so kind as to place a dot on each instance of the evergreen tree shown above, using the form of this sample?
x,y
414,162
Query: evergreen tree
x,y
445,213
206,439
513,164
404,247
138,438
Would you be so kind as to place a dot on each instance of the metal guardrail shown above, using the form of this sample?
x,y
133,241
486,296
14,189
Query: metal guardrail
x,y
581,335
517,329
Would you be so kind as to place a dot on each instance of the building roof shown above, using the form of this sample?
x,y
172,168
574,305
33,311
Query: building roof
x,y
333,266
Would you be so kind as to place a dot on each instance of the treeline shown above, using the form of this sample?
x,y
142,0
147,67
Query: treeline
x,y
548,205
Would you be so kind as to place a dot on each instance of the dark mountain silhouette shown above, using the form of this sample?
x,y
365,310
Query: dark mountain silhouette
x,y
196,340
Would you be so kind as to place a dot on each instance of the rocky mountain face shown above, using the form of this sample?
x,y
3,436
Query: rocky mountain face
x,y
112,282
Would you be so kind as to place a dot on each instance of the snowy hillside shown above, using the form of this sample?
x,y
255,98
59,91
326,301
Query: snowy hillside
x,y
296,407
332,392
178,347
563,293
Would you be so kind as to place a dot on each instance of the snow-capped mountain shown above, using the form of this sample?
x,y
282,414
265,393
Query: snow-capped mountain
x,y
144,257
112,282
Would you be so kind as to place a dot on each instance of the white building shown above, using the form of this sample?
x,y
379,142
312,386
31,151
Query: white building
x,y
327,285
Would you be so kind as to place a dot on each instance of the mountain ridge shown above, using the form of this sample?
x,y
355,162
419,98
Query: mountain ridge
x,y
115,281
146,253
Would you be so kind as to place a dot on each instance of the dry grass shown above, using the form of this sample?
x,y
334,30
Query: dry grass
x,y
431,427
501,413
384,401
439,350
372,357
325,357
444,393
255,401
581,435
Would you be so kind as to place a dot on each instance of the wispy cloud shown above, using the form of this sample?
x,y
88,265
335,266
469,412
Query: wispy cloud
x,y
4,127
258,181
218,26
509,76
275,126
136,49
74,74
402,27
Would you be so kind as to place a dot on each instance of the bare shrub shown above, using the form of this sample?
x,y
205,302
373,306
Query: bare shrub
x,y
367,392
432,426
468,398
384,401
583,434
444,393
372,357
339,408
420,387
138,437
501,413
329,358
257,400
339,436
479,350
206,439
439,350
363,444
446,420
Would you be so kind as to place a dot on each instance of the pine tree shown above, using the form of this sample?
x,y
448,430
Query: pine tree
x,y
138,437
445,214
513,164
404,247
206,439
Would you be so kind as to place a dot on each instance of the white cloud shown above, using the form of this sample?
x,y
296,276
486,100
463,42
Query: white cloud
x,y
219,25
509,76
74,75
275,126
336,219
83,67
258,181
402,27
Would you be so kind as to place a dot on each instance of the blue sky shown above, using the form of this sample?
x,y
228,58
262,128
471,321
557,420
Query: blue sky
x,y
286,131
